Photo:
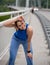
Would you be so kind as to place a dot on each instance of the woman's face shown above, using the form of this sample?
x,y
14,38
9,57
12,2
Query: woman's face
x,y
21,25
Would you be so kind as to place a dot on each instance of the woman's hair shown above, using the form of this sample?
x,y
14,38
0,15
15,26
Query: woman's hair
x,y
16,23
21,17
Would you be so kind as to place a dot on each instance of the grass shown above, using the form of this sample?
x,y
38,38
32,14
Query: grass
x,y
2,18
3,8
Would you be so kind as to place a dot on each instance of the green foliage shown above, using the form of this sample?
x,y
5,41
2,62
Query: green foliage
x,y
43,3
49,4
4,8
4,17
3,2
23,3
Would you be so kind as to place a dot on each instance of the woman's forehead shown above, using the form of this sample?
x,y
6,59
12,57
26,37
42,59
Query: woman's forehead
x,y
18,23
20,18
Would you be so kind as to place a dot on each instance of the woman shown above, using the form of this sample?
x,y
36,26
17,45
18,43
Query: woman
x,y
22,36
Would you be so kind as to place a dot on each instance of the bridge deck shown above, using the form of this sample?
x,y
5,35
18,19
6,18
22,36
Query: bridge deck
x,y
46,14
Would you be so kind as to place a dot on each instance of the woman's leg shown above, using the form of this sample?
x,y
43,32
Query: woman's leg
x,y
29,60
13,51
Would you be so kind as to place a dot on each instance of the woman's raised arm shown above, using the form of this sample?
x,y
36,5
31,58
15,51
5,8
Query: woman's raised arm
x,y
10,22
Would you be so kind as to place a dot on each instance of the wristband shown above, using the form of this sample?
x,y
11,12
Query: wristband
x,y
28,51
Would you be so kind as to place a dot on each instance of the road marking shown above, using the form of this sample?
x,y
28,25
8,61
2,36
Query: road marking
x,y
4,52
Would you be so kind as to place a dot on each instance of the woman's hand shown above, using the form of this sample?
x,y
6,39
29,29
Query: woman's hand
x,y
29,55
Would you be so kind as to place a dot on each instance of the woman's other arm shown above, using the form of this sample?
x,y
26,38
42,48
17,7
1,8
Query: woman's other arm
x,y
30,34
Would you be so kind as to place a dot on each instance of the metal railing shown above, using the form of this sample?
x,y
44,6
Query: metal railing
x,y
14,12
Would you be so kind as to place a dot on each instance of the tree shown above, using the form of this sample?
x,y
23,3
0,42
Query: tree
x,y
38,3
3,2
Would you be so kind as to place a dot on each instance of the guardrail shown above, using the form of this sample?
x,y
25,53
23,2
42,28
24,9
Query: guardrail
x,y
14,12
4,32
46,27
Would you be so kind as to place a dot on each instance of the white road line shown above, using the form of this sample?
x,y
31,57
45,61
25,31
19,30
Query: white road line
x,y
4,52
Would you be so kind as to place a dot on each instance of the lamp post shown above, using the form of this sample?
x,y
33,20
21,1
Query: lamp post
x,y
16,3
27,3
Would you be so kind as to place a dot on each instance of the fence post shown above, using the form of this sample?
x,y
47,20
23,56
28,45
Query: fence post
x,y
11,15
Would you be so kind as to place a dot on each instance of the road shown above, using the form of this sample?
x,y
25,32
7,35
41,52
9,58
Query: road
x,y
46,14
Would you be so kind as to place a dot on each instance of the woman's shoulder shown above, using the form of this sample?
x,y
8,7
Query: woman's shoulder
x,y
30,28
